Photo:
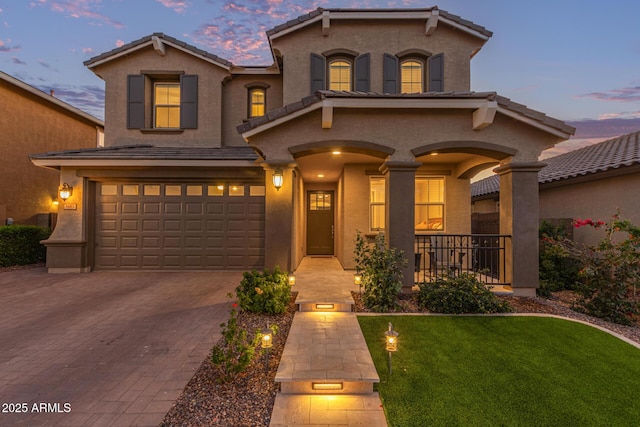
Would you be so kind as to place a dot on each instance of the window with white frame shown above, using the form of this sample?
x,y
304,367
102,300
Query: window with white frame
x,y
429,201
376,203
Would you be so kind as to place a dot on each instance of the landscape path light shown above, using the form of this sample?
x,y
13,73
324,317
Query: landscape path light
x,y
266,343
391,343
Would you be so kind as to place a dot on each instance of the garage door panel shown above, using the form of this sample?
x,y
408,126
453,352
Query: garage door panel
x,y
129,225
150,208
177,226
130,208
173,208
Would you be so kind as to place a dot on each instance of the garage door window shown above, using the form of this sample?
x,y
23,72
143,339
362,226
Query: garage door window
x,y
215,190
173,190
151,190
194,190
236,190
109,190
129,190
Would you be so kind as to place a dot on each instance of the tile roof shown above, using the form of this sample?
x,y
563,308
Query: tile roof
x,y
309,16
611,154
318,96
150,152
147,39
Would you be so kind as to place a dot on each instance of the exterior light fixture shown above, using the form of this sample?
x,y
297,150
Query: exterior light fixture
x,y
391,340
278,178
220,187
266,342
65,192
357,279
325,306
292,279
336,152
320,175
326,386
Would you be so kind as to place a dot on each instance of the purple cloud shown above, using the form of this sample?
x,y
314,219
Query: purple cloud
x,y
236,42
6,47
178,6
79,9
627,94
17,61
86,98
605,128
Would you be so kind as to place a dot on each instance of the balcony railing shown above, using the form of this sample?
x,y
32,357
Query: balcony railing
x,y
439,255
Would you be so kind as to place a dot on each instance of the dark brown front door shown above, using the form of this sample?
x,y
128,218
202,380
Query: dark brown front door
x,y
320,222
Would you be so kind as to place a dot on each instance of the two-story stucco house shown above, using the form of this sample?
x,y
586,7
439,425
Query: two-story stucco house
x,y
364,122
34,121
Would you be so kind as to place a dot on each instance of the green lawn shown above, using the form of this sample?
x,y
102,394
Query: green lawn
x,y
504,371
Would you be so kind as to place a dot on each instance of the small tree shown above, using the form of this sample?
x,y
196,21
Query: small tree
x,y
381,271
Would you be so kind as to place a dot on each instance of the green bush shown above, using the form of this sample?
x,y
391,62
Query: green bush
x,y
268,292
461,294
559,269
381,271
20,244
235,351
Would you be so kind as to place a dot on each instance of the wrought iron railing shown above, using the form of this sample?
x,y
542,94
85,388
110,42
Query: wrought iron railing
x,y
437,255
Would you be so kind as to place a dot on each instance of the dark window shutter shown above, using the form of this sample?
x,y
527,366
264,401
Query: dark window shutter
x,y
436,73
390,74
318,70
363,72
189,101
135,101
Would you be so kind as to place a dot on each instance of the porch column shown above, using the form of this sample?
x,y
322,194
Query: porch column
x,y
278,220
519,217
400,212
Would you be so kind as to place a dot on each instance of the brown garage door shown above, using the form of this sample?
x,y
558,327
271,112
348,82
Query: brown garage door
x,y
179,226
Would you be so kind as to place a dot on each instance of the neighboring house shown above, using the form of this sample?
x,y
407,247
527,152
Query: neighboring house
x,y
591,182
365,121
33,121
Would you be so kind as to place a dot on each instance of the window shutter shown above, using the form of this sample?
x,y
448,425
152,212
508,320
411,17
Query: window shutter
x,y
318,70
188,101
363,72
135,101
390,74
436,73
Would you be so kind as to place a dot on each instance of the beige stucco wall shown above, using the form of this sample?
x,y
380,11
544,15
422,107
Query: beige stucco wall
x,y
597,200
485,206
376,37
210,77
30,125
235,99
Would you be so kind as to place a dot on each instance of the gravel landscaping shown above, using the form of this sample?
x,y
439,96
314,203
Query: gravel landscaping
x,y
249,400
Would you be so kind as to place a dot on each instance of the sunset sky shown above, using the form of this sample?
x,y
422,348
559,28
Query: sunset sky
x,y
577,61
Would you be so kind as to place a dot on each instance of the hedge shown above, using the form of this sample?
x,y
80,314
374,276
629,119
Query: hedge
x,y
20,244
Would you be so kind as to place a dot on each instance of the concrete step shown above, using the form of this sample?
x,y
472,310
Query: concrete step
x,y
326,353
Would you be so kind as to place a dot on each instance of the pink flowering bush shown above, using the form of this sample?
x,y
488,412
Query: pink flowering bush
x,y
611,272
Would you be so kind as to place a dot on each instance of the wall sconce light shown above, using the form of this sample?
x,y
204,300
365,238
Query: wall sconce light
x,y
292,279
65,192
278,178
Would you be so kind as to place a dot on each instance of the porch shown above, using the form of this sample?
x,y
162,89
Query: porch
x,y
445,255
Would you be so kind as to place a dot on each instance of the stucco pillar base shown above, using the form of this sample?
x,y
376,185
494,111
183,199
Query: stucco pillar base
x,y
519,217
400,213
66,256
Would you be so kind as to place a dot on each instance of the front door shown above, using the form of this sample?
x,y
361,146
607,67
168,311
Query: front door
x,y
320,222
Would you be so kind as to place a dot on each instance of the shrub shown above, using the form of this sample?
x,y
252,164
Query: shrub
x,y
235,351
461,294
268,292
381,271
612,271
558,267
20,244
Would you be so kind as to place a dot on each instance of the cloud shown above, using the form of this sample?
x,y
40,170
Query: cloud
x,y
234,41
17,61
627,94
87,98
606,128
6,47
178,6
79,9
43,63
87,50
119,43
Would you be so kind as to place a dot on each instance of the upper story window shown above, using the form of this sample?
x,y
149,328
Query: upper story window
x,y
340,69
411,76
340,74
257,102
166,105
163,101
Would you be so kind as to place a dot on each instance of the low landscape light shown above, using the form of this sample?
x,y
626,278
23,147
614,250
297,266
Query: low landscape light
x,y
292,279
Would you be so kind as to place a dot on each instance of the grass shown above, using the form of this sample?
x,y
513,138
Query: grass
x,y
504,371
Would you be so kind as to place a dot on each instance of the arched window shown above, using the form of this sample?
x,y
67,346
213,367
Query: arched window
x,y
340,75
411,76
257,102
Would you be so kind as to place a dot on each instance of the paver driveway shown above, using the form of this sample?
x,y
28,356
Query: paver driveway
x,y
104,348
